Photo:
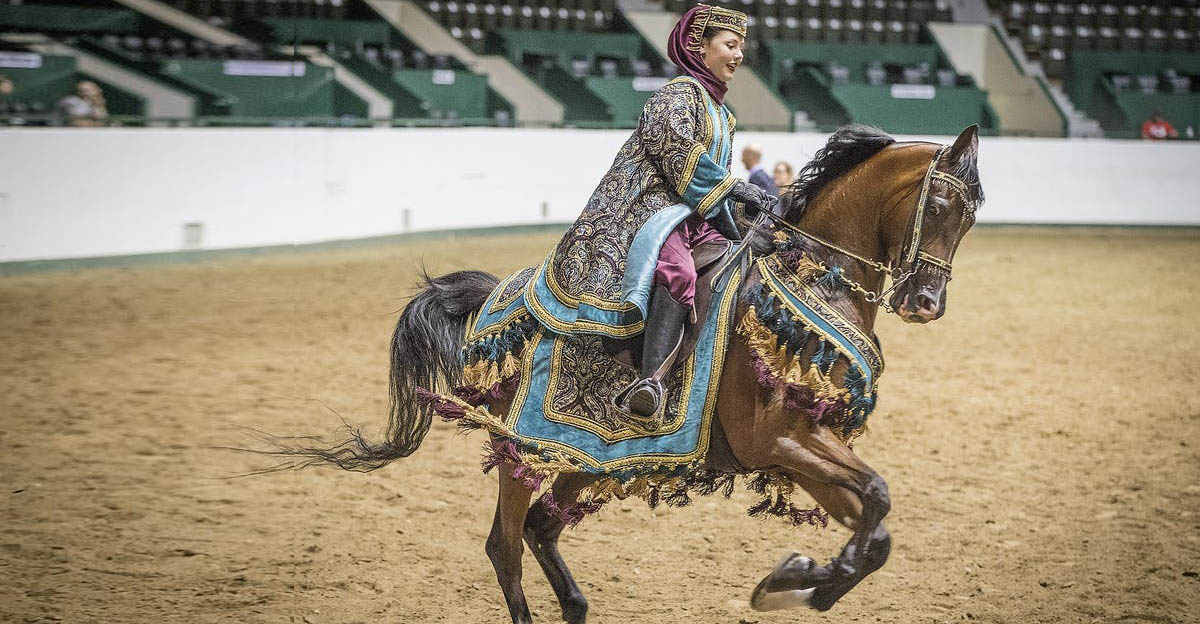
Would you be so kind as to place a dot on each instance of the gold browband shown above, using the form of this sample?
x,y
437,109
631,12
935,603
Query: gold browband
x,y
714,17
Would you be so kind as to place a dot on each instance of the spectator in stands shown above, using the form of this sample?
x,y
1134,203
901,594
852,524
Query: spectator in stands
x,y
783,174
752,160
6,89
85,108
1157,128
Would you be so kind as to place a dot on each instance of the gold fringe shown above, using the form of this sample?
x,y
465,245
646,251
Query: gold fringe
x,y
788,369
807,269
604,490
485,374
510,366
548,463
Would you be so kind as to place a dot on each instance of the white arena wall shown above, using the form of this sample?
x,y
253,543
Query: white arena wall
x,y
96,192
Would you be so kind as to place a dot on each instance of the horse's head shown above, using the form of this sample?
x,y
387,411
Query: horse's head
x,y
937,217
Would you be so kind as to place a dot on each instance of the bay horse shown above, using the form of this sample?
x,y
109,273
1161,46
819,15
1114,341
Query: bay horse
x,y
876,208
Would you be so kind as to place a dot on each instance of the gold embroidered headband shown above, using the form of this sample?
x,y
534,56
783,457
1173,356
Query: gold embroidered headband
x,y
714,17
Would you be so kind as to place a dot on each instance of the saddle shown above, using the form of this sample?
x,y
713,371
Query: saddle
x,y
708,257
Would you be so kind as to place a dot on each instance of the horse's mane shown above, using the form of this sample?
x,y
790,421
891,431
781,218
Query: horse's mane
x,y
847,147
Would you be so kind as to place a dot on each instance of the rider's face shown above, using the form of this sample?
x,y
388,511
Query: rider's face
x,y
723,53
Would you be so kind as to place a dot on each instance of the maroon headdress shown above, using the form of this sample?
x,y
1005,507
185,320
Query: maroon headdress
x,y
683,46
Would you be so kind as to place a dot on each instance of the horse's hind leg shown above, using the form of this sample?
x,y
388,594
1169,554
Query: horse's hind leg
x,y
856,496
504,546
542,528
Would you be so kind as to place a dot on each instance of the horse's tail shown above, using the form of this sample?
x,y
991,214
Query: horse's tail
x,y
424,353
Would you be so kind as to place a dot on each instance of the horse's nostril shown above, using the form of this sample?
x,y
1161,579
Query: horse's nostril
x,y
925,302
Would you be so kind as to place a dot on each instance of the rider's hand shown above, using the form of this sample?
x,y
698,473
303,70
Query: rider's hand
x,y
754,197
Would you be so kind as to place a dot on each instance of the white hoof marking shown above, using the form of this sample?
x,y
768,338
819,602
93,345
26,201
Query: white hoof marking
x,y
762,600
776,601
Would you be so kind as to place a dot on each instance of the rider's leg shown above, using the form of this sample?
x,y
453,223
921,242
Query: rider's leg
x,y
660,343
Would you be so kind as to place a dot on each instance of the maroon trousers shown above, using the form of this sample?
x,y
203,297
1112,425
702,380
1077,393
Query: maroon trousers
x,y
676,270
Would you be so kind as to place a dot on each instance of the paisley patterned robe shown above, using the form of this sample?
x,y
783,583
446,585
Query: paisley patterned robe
x,y
599,277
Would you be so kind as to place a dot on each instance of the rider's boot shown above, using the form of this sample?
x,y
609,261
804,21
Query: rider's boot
x,y
660,344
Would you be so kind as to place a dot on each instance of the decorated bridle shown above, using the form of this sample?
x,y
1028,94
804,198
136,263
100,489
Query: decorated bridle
x,y
911,254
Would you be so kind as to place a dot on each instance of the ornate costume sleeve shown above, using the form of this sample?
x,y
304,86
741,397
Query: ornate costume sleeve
x,y
677,141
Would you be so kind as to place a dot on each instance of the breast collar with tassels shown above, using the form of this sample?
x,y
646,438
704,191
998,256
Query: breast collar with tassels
x,y
911,254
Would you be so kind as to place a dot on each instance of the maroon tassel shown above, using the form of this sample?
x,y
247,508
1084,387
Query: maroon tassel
x,y
526,475
763,374
759,483
815,516
505,389
470,395
503,452
569,515
797,398
501,390
821,409
446,409
506,452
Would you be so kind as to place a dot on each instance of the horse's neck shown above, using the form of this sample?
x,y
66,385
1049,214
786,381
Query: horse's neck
x,y
850,211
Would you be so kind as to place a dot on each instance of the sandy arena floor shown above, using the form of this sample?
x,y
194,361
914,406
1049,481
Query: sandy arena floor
x,y
1040,442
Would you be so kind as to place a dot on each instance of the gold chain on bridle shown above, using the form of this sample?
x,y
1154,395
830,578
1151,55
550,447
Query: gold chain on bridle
x,y
911,255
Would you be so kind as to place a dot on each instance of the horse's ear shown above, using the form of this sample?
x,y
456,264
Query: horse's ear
x,y
966,145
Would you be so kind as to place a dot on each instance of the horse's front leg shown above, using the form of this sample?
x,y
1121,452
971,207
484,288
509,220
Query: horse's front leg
x,y
855,495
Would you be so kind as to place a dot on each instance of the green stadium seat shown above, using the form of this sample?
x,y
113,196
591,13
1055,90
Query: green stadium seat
x,y
833,10
893,32
873,33
1083,38
919,11
1130,17
1131,39
853,32
1058,37
876,10
1182,41
1084,15
856,10
1054,62
791,29
810,9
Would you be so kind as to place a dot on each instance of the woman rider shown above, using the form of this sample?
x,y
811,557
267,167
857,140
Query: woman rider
x,y
626,264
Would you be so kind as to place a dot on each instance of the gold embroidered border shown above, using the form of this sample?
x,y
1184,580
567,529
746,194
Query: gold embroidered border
x,y
716,194
500,303
617,331
498,325
728,19
689,168
570,300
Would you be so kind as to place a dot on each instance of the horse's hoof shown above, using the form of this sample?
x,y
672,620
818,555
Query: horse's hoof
x,y
763,600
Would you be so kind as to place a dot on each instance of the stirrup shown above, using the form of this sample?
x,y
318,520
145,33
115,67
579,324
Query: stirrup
x,y
644,397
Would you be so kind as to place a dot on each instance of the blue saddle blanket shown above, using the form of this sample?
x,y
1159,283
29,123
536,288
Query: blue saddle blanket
x,y
563,400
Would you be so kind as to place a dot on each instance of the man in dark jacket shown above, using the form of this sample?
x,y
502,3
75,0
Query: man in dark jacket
x,y
752,160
